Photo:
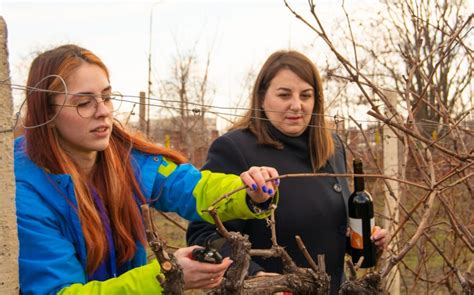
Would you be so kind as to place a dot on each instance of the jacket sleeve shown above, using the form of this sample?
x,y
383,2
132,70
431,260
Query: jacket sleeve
x,y
140,280
223,156
48,260
187,191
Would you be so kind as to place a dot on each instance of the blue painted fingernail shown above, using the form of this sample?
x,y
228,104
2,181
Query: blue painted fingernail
x,y
270,191
254,187
264,188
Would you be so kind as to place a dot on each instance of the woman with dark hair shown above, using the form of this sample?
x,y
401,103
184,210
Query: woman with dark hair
x,y
285,127
80,178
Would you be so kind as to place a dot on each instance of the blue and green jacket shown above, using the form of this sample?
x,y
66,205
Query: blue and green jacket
x,y
53,254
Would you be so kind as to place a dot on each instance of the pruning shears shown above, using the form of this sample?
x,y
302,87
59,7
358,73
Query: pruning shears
x,y
210,252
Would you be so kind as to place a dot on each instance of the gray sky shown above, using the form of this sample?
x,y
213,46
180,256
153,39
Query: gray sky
x,y
239,34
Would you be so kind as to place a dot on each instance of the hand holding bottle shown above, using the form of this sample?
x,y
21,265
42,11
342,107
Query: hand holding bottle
x,y
380,237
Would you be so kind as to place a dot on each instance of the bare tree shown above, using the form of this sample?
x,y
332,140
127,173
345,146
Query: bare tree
x,y
426,58
184,99
414,34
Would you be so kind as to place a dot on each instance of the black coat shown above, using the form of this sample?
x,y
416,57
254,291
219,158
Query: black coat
x,y
314,208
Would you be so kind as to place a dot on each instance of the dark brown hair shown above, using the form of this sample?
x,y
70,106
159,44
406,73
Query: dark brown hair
x,y
321,144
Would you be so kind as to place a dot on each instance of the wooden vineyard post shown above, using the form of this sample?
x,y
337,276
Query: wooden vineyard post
x,y
8,229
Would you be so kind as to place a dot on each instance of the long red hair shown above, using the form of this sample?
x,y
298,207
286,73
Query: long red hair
x,y
113,176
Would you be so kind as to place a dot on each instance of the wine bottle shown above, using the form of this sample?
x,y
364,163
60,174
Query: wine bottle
x,y
361,221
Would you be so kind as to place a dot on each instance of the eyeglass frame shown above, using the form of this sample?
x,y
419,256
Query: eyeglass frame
x,y
93,97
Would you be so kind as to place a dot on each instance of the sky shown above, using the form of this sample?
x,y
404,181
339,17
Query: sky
x,y
240,35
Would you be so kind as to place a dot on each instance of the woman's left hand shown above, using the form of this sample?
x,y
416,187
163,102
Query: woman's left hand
x,y
200,275
259,189
380,237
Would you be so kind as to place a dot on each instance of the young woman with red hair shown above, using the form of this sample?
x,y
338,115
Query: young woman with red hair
x,y
80,178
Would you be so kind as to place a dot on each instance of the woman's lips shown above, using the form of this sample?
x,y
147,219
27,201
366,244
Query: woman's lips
x,y
296,118
101,131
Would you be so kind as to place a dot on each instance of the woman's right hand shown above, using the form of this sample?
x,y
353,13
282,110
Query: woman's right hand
x,y
200,275
259,189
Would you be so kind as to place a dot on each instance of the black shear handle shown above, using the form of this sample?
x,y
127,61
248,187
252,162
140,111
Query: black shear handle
x,y
206,255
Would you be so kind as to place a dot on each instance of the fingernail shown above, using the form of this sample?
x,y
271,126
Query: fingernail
x,y
270,191
264,188
277,181
254,187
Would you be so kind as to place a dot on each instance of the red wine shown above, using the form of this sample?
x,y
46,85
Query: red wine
x,y
361,221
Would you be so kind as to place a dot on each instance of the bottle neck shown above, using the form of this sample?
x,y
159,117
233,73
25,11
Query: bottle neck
x,y
359,185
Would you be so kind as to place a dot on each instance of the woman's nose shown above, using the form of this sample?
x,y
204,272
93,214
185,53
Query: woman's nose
x,y
102,109
295,104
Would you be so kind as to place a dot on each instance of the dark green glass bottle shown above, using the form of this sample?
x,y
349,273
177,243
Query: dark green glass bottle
x,y
361,221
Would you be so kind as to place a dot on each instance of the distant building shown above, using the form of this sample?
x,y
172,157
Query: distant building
x,y
360,145
192,137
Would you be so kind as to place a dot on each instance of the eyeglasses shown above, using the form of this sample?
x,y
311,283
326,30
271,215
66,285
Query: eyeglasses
x,y
87,103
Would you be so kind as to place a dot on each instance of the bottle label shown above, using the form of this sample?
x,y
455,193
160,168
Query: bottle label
x,y
356,236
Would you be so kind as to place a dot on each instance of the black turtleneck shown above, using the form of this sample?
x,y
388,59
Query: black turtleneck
x,y
312,208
